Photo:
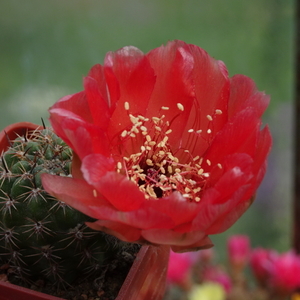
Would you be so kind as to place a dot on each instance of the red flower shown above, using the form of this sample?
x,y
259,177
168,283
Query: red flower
x,y
285,273
239,251
168,148
261,262
179,269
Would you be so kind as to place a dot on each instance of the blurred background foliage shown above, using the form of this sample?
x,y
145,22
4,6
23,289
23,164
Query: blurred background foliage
x,y
46,47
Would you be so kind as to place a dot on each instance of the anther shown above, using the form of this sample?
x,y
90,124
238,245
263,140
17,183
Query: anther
x,y
149,162
124,133
94,193
119,165
220,166
180,106
168,131
208,162
165,108
218,111
200,172
209,117
126,105
191,130
208,131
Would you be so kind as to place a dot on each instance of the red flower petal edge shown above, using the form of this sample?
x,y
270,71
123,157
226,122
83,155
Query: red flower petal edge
x,y
168,148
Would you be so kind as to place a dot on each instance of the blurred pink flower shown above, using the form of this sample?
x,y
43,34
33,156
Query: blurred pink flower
x,y
238,250
261,261
285,273
218,275
179,269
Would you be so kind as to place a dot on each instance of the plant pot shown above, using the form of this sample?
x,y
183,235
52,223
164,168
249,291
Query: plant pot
x,y
146,278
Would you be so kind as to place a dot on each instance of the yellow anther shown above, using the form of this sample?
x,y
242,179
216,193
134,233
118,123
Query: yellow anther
x,y
149,162
180,106
124,133
209,117
200,172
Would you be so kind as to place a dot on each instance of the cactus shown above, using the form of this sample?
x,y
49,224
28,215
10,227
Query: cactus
x,y
40,236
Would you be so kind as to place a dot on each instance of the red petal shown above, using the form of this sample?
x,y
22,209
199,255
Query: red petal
x,y
144,218
239,135
174,85
176,207
98,106
121,231
169,237
95,166
97,73
237,172
214,210
122,193
76,104
205,243
84,138
75,192
135,77
243,94
226,220
211,93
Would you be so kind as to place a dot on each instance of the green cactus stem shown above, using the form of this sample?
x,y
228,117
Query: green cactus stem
x,y
40,236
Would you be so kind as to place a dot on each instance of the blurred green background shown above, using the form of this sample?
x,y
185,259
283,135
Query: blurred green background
x,y
46,47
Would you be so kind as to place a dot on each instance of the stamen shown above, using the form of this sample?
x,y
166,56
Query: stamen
x,y
124,133
218,111
208,131
156,169
95,193
180,106
209,117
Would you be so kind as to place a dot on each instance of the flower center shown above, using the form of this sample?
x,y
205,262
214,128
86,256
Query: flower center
x,y
156,169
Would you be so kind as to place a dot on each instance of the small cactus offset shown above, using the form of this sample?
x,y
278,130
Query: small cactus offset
x,y
40,236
